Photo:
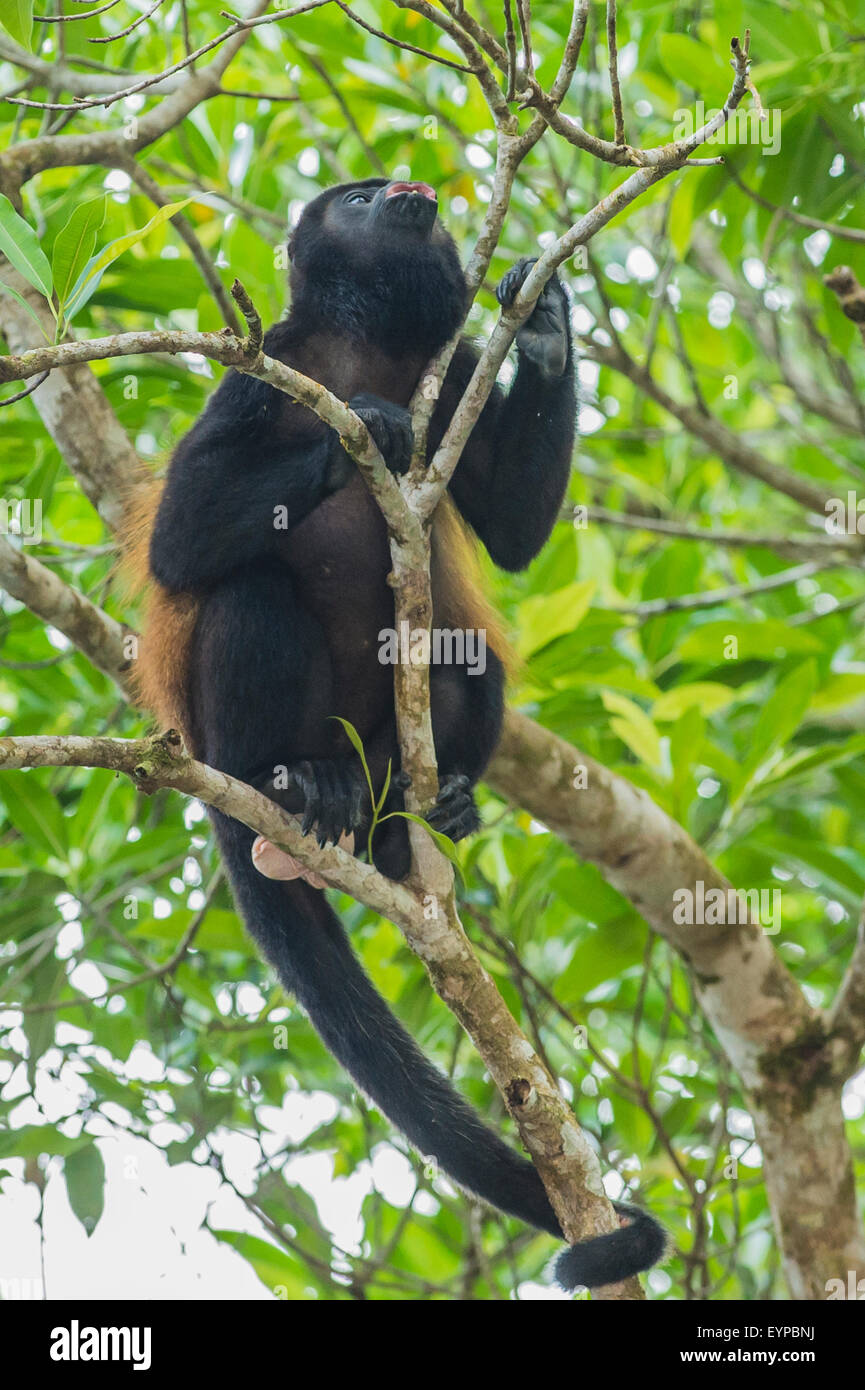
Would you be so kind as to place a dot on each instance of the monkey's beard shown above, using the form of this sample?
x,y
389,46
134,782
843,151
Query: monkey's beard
x,y
402,297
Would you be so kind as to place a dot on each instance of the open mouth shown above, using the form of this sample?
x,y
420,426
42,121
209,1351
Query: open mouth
x,y
424,189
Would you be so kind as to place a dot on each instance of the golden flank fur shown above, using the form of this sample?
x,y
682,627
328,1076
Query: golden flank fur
x,y
160,677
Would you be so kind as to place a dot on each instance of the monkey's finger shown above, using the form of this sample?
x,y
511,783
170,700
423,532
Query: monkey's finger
x,y
455,785
512,281
329,798
350,800
311,793
335,814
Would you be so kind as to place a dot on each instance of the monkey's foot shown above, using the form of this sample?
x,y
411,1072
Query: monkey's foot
x,y
455,813
327,794
277,863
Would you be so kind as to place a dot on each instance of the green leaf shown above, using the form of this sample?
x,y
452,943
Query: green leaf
x,y
356,742
35,813
838,691
84,1171
731,639
602,955
73,246
90,276
696,65
707,696
282,1274
444,843
20,245
807,760
31,1141
544,617
220,931
45,983
17,20
7,289
686,743
634,727
781,715
385,789
682,215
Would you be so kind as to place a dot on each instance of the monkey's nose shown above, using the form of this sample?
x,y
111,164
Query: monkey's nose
x,y
423,188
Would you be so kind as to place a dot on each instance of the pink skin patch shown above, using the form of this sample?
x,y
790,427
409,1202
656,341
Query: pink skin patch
x,y
423,188
277,863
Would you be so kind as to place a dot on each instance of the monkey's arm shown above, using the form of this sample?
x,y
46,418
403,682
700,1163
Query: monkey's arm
x,y
251,468
512,476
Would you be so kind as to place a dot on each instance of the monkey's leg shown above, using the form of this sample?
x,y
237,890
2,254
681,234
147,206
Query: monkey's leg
x,y
467,718
262,696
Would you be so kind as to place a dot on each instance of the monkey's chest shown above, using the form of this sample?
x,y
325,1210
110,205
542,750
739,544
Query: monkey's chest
x,y
339,559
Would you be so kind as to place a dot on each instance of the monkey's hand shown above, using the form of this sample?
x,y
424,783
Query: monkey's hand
x,y
390,427
544,336
327,793
455,813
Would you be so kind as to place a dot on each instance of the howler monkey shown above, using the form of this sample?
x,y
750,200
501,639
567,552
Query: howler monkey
x,y
259,633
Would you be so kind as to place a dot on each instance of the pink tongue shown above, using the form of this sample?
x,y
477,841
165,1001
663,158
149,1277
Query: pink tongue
x,y
423,188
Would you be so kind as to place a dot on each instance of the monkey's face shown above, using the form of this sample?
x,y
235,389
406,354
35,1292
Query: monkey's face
x,y
376,255
363,218
399,208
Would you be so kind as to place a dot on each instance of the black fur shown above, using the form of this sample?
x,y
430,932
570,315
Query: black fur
x,y
265,518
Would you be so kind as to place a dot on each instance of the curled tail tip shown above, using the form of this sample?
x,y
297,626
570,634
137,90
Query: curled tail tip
x,y
610,1258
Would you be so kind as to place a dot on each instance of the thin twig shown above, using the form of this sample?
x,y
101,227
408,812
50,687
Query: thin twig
x,y
27,391
122,33
239,27
401,43
618,114
524,15
654,607
71,18
511,45
664,526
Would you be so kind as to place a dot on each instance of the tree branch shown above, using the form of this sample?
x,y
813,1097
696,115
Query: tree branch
x,y
22,161
817,545
102,639
783,1049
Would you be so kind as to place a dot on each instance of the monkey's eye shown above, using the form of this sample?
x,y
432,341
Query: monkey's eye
x,y
356,197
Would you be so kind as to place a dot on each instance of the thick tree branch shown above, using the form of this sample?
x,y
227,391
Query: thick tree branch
x,y
100,637
245,355
75,412
22,161
846,1021
784,1051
